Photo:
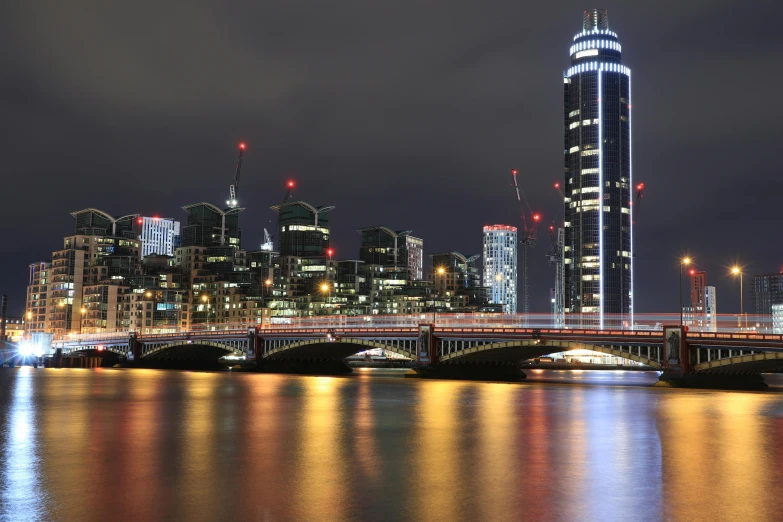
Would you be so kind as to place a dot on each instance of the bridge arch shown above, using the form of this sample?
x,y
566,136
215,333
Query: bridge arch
x,y
115,349
754,362
195,349
524,349
337,349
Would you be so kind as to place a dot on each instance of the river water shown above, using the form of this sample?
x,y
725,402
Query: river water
x,y
109,445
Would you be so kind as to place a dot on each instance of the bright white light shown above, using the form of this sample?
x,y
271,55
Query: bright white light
x,y
25,349
589,52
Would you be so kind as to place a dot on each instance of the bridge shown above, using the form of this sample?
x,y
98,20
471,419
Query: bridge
x,y
443,341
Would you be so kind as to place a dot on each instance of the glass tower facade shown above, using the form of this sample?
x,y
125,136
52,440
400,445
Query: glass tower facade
x,y
598,246
500,266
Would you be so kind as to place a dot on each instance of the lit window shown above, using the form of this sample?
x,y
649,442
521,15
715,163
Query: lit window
x,y
589,52
573,149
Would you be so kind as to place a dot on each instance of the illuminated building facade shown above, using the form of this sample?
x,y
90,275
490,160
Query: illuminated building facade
x,y
500,265
158,235
598,247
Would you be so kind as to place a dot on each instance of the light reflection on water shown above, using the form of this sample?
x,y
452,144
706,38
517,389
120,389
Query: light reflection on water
x,y
155,445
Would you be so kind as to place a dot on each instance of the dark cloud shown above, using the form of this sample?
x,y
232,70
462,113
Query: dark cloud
x,y
407,114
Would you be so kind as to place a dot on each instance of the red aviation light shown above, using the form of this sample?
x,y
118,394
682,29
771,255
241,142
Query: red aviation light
x,y
536,217
640,186
551,227
242,145
291,184
514,172
141,221
557,185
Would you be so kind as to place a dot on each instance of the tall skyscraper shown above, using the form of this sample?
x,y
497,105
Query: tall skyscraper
x,y
158,235
500,265
598,249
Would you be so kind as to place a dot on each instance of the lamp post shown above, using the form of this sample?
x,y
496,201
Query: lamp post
x,y
81,321
325,288
737,271
685,261
440,271
205,300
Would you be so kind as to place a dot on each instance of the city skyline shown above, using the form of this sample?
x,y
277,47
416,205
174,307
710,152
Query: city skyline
x,y
681,150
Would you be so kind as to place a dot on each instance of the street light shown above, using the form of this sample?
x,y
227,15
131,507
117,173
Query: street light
x,y
737,271
685,261
440,271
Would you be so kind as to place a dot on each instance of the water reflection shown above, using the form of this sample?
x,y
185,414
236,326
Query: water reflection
x,y
20,480
721,457
319,476
147,445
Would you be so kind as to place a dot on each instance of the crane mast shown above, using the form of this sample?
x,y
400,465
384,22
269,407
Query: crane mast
x,y
233,190
528,240
555,256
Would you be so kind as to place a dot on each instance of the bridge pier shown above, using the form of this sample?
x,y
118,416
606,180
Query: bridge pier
x,y
679,371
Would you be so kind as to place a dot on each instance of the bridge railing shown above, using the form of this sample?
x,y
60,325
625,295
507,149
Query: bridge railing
x,y
733,324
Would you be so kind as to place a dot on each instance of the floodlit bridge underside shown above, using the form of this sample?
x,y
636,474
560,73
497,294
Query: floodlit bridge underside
x,y
336,350
457,351
196,351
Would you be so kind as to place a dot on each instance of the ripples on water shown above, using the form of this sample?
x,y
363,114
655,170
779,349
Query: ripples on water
x,y
155,445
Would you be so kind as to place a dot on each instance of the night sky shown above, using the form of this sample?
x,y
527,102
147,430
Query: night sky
x,y
406,114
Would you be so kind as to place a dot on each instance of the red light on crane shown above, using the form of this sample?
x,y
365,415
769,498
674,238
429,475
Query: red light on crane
x,y
557,185
514,172
693,271
551,227
141,221
536,217
640,186
291,184
242,145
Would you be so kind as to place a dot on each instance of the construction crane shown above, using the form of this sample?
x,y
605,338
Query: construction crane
x,y
638,204
290,186
555,256
233,191
529,229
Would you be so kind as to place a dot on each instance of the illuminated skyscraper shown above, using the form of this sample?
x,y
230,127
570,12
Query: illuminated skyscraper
x,y
500,265
598,248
